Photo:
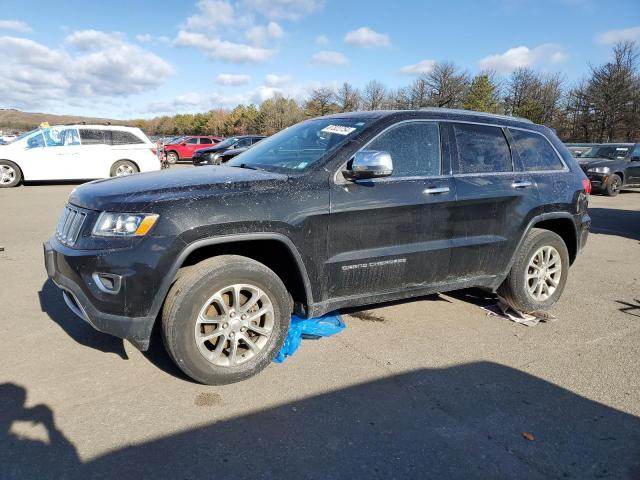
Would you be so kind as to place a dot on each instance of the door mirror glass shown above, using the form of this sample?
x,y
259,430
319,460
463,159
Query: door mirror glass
x,y
369,164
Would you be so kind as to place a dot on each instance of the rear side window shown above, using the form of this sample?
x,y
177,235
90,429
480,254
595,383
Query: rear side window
x,y
92,137
535,151
120,137
481,149
205,141
414,148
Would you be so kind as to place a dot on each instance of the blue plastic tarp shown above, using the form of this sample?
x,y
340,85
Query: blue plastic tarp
x,y
300,328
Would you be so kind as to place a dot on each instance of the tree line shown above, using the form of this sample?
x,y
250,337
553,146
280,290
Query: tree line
x,y
603,107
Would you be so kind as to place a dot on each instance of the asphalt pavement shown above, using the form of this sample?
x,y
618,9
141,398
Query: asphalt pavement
x,y
429,388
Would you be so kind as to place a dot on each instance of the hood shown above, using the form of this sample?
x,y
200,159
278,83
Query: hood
x,y
137,193
204,151
596,162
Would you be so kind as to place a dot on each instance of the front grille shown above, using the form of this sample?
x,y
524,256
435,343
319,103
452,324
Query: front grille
x,y
70,225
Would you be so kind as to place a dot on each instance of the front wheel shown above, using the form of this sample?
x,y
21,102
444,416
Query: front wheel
x,y
10,174
123,168
539,273
613,185
172,158
225,319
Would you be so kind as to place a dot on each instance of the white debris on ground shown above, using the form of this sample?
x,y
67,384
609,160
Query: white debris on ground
x,y
504,310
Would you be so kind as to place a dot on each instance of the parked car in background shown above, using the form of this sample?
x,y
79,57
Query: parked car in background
x,y
612,167
579,149
183,148
76,152
339,211
225,150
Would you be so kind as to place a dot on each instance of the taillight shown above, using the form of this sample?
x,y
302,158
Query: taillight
x,y
586,184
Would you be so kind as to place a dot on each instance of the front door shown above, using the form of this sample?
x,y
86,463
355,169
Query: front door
x,y
391,233
633,170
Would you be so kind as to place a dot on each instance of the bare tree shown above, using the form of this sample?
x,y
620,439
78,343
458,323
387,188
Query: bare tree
x,y
347,97
373,95
320,102
447,86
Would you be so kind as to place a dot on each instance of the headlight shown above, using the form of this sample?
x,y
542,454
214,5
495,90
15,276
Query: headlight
x,y
599,170
124,224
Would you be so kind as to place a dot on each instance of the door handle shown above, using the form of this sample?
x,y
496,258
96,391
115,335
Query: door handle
x,y
435,190
521,184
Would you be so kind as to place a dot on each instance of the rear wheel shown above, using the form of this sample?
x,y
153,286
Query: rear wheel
x,y
225,319
10,174
123,168
172,158
539,273
613,185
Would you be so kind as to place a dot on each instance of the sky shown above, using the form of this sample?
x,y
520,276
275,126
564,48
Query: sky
x,y
132,59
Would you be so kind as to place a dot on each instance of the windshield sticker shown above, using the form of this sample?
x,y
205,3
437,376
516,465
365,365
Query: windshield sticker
x,y
338,129
621,149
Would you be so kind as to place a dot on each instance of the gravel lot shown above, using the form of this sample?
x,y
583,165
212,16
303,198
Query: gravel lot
x,y
427,388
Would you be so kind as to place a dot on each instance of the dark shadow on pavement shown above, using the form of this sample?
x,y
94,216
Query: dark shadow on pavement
x,y
612,221
159,357
466,421
630,308
52,304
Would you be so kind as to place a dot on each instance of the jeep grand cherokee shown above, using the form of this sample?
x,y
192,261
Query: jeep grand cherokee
x,y
338,211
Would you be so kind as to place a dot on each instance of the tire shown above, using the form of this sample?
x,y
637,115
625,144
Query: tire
x,y
516,287
123,168
613,185
198,293
10,174
172,158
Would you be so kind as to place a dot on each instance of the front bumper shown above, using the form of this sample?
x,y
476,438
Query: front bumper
x,y
200,161
78,296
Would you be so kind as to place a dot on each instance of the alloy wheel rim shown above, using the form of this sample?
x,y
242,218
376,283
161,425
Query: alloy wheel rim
x,y
7,174
123,170
234,325
543,273
615,185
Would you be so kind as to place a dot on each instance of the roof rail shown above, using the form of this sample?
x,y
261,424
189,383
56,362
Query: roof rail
x,y
472,112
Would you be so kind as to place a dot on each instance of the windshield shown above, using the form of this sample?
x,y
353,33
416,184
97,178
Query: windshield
x,y
227,143
23,135
607,151
300,146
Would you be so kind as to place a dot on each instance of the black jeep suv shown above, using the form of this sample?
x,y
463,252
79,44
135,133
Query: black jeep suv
x,y
612,167
338,211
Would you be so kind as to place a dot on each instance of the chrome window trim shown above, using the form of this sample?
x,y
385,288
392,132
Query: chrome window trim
x,y
338,181
451,174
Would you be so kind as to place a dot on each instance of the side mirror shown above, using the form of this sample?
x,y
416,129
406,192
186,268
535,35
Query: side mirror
x,y
369,164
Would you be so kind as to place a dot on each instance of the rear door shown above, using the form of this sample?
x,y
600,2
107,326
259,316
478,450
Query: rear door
x,y
493,200
391,233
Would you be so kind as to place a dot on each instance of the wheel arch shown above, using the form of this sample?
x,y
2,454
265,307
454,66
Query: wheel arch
x,y
267,248
621,175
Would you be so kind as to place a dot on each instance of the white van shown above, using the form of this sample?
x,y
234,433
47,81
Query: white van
x,y
76,152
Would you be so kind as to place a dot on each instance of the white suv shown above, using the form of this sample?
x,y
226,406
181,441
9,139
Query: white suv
x,y
76,152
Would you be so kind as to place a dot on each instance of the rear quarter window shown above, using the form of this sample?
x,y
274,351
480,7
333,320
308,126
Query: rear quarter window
x,y
120,137
535,152
481,149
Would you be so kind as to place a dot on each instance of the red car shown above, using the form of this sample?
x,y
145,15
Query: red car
x,y
183,147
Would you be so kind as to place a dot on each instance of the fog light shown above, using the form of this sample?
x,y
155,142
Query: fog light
x,y
107,282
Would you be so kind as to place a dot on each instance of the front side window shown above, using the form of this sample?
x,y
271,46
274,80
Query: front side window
x,y
120,137
36,141
635,155
192,141
481,149
535,151
61,137
90,136
414,148
296,148
205,141
243,142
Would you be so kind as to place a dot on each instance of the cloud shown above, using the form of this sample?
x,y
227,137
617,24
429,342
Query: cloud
x,y
367,38
190,102
322,40
420,68
614,36
272,80
523,57
148,38
210,14
233,80
260,34
283,9
217,49
15,26
108,66
327,57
